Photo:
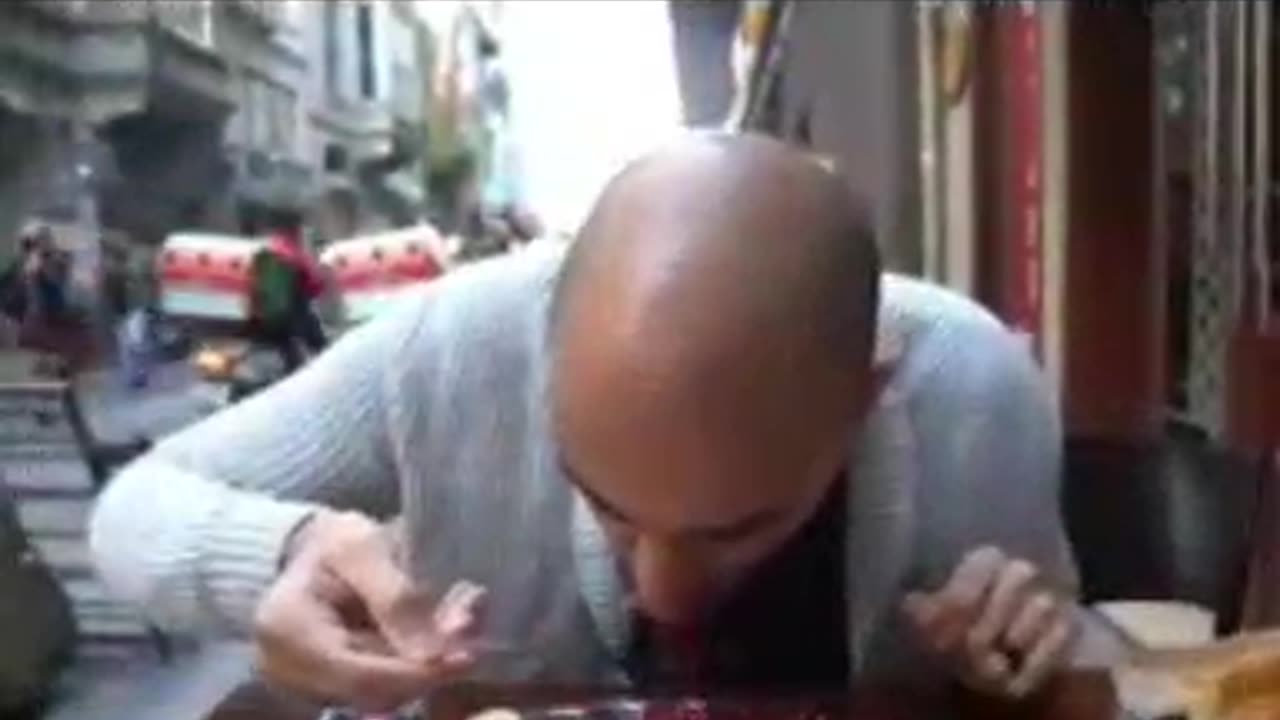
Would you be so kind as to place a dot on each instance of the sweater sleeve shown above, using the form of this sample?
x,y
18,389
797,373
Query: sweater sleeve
x,y
192,532
992,444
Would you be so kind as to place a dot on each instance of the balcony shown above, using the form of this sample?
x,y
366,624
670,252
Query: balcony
x,y
94,61
72,61
268,15
191,21
270,179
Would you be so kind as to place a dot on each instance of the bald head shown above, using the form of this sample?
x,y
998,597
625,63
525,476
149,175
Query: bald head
x,y
729,235
713,335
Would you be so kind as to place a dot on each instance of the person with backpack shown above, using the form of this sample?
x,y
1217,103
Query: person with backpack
x,y
289,281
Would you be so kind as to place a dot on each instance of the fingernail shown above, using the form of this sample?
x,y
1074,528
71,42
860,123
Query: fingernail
x,y
470,593
451,595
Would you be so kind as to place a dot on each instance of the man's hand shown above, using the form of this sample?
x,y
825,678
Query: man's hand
x,y
343,624
1001,630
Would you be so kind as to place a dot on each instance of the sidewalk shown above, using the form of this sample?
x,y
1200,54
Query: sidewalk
x,y
188,687
118,413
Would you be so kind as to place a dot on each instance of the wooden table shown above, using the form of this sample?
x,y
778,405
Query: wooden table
x,y
1074,696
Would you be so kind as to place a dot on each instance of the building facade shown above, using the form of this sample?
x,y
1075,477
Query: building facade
x,y
132,120
364,105
121,121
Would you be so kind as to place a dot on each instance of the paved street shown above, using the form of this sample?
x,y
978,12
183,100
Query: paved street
x,y
187,688
116,413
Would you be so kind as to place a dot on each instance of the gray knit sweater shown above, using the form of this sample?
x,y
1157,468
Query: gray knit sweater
x,y
438,413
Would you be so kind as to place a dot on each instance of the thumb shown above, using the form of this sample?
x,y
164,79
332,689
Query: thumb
x,y
920,608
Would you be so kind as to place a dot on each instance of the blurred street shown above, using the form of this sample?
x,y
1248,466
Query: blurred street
x,y
118,671
117,413
143,688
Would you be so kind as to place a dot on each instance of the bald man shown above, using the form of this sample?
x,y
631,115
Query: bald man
x,y
712,445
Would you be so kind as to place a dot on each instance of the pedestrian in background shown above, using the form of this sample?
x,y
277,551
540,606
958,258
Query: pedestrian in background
x,y
135,339
287,314
13,291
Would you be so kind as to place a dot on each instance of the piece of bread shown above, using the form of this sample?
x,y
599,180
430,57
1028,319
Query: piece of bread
x,y
1160,625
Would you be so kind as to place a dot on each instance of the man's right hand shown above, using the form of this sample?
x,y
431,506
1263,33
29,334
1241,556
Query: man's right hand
x,y
342,623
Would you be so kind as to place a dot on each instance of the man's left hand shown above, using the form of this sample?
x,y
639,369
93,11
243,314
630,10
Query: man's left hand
x,y
999,627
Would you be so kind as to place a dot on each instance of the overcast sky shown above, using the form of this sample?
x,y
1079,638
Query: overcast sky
x,y
593,84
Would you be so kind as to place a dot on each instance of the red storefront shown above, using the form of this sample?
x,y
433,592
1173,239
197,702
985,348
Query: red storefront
x,y
1109,289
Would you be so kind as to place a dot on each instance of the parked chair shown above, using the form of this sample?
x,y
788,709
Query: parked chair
x,y
1170,520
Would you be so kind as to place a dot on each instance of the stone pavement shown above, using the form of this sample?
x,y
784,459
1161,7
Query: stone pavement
x,y
126,678
188,687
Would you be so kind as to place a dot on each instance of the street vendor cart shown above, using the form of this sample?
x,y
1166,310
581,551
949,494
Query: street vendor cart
x,y
209,284
371,272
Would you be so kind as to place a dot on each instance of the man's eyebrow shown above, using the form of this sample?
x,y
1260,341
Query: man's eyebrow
x,y
742,527
576,480
739,528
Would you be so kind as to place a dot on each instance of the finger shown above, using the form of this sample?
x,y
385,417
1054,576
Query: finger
x,y
1012,585
366,564
376,682
292,627
458,614
314,656
973,579
365,561
923,612
961,599
1043,659
1031,622
931,620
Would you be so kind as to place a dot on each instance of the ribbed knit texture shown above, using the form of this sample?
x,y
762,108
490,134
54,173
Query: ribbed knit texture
x,y
439,412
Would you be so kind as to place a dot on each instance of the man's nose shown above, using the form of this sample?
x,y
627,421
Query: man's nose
x,y
672,585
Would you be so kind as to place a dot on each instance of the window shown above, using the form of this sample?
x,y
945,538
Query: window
x,y
364,41
335,158
282,104
240,128
331,49
260,100
407,100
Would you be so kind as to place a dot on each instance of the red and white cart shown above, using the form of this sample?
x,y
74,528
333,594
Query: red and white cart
x,y
371,272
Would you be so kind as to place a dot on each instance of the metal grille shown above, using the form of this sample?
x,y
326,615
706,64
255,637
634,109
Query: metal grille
x,y
1215,252
1232,260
